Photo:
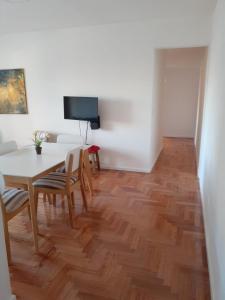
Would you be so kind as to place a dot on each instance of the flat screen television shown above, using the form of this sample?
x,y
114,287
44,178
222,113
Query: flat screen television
x,y
80,108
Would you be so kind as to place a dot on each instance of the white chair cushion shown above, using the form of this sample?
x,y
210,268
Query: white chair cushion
x,y
54,180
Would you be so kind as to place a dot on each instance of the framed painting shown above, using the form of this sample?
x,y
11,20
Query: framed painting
x,y
13,99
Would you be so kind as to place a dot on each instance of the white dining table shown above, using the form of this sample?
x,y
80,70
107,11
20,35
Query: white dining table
x,y
24,166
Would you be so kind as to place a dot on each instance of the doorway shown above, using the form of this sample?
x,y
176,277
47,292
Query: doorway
x,y
181,89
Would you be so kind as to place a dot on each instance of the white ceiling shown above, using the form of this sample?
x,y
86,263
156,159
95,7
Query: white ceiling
x,y
28,15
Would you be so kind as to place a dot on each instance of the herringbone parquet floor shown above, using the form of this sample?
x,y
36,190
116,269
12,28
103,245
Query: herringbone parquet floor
x,y
142,239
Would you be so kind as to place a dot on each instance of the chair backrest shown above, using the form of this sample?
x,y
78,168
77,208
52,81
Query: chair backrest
x,y
70,139
8,147
85,160
73,160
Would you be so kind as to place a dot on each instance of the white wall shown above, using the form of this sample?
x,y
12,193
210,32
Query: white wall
x,y
5,290
157,100
212,157
114,62
181,89
200,109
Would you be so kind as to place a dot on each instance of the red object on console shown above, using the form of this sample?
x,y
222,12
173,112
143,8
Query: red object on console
x,y
93,149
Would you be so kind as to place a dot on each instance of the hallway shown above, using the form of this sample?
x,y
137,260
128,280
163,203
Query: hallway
x,y
142,238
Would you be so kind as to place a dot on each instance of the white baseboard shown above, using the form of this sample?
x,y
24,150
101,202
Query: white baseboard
x,y
127,169
210,256
13,297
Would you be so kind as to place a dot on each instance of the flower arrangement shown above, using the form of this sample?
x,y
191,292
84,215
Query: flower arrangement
x,y
38,138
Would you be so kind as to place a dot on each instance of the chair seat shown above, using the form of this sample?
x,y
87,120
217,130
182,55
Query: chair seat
x,y
54,180
14,198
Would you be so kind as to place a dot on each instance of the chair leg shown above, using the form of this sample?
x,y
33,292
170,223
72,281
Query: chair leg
x,y
28,211
54,199
49,198
82,188
89,178
73,199
70,207
89,185
7,241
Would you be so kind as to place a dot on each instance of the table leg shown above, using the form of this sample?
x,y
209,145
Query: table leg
x,y
33,215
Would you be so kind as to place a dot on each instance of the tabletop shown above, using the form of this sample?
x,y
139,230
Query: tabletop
x,y
26,163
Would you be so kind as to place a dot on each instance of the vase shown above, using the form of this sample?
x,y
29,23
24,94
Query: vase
x,y
38,149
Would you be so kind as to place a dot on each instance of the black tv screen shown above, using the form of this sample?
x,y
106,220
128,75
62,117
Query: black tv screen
x,y
80,108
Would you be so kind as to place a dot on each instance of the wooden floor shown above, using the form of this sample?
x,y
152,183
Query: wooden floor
x,y
142,239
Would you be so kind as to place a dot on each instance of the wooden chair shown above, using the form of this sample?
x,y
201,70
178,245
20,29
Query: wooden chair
x,y
86,171
87,175
57,183
12,202
69,139
77,139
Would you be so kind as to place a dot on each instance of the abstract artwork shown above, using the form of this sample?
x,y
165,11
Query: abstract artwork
x,y
13,98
